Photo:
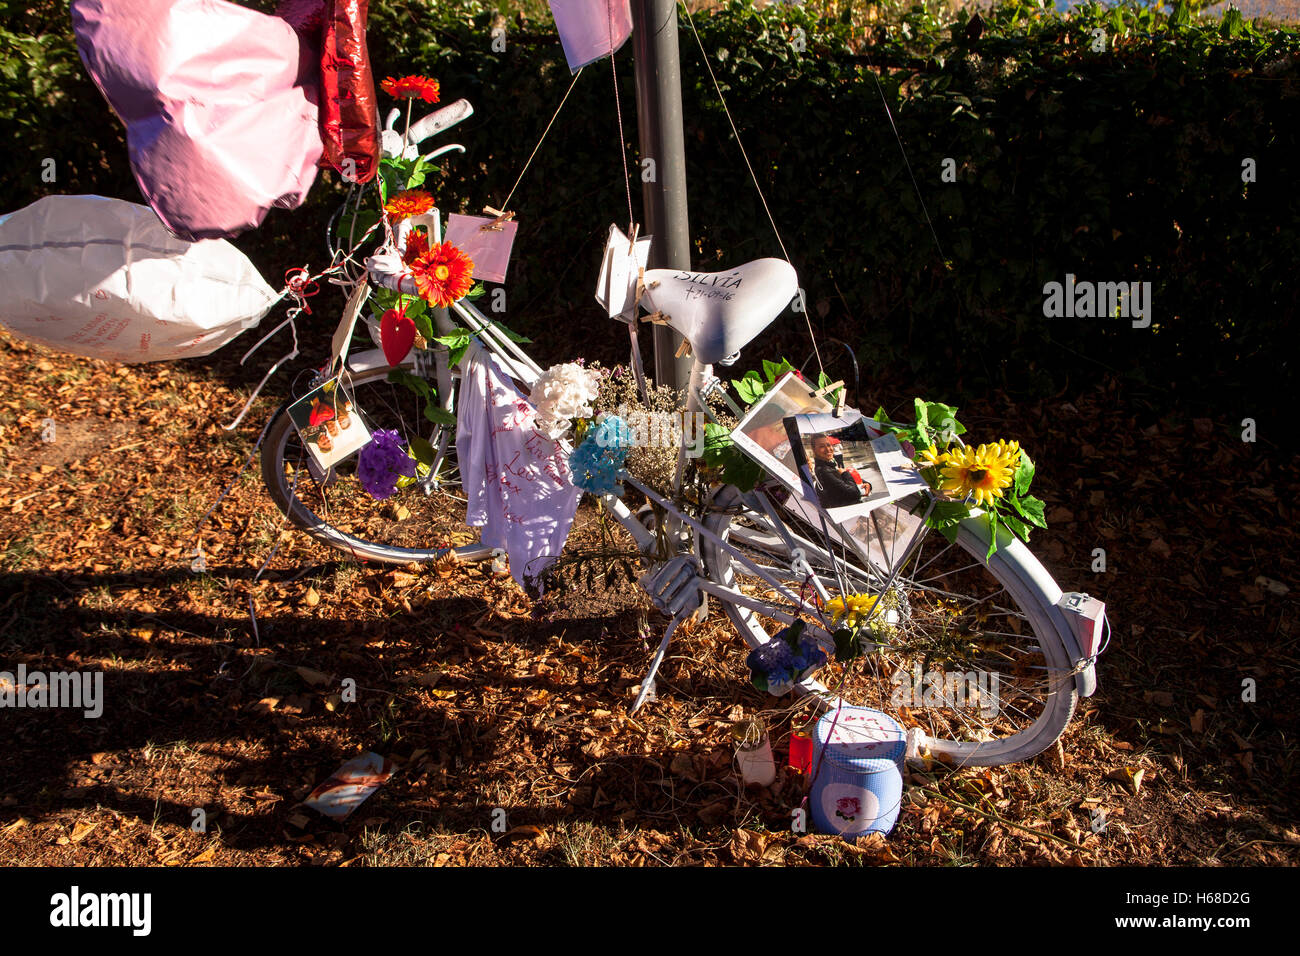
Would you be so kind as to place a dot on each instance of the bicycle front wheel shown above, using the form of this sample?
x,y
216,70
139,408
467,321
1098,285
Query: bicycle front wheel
x,y
421,522
966,649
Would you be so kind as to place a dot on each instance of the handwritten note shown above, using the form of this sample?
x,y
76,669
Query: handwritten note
x,y
489,248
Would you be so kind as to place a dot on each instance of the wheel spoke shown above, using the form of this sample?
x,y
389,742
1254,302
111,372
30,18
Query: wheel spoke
x,y
953,611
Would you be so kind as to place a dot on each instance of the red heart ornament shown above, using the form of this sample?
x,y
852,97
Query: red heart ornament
x,y
397,335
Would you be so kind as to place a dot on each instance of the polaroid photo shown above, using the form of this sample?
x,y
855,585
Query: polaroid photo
x,y
329,424
845,468
761,434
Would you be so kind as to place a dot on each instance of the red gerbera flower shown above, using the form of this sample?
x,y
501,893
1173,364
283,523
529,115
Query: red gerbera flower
x,y
417,244
412,87
443,274
408,203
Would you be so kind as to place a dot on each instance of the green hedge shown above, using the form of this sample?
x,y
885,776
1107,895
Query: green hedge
x,y
1121,165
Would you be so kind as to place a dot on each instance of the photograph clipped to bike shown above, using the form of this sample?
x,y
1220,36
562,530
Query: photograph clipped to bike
x,y
329,424
849,470
761,433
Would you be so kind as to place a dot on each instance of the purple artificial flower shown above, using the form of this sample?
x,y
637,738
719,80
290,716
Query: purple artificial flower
x,y
381,462
909,449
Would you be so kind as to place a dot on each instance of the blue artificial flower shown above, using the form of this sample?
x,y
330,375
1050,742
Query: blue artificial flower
x,y
597,464
382,461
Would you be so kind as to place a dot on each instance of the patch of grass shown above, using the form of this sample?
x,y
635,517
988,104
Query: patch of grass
x,y
21,553
583,844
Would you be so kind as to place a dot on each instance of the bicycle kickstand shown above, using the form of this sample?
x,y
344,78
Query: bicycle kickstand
x,y
674,589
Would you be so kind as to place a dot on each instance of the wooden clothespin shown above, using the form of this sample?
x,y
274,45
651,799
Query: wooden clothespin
x,y
683,350
657,318
496,224
826,389
631,243
640,288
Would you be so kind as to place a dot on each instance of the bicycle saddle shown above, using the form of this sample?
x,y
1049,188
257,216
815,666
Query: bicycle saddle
x,y
720,313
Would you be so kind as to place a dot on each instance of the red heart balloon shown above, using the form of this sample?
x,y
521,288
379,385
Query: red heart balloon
x,y
397,335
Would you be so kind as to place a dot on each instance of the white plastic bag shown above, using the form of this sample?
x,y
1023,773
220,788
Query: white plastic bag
x,y
104,278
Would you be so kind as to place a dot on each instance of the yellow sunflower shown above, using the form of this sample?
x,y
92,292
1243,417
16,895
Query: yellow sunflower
x,y
1009,449
853,607
932,458
983,472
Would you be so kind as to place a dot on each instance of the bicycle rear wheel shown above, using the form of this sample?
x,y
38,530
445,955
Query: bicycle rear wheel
x,y
969,650
421,522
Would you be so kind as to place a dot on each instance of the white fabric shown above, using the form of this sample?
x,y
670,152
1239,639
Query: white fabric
x,y
103,278
516,480
591,29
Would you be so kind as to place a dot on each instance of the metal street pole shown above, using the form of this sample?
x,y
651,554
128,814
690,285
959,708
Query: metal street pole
x,y
659,122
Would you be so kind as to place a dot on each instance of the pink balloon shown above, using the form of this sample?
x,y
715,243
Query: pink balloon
x,y
219,103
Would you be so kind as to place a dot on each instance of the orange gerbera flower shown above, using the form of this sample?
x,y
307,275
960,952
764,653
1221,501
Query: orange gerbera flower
x,y
408,203
417,244
443,274
412,87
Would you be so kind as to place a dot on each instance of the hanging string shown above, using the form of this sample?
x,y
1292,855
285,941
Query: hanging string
x,y
618,109
908,164
506,204
803,302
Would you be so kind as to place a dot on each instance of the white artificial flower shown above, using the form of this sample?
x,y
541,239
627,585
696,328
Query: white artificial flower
x,y
561,394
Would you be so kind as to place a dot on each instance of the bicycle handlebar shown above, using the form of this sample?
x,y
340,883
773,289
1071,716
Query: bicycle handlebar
x,y
440,120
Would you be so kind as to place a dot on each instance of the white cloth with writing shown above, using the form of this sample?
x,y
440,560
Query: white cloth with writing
x,y
517,481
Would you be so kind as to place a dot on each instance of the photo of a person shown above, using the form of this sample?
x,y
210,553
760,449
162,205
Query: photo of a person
x,y
839,463
836,486
761,434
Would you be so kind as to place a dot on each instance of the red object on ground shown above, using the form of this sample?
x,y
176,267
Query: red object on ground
x,y
349,114
801,751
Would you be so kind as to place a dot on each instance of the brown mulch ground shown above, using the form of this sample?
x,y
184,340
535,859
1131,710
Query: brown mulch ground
x,y
489,701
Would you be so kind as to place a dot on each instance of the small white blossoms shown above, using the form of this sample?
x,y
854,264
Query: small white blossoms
x,y
563,393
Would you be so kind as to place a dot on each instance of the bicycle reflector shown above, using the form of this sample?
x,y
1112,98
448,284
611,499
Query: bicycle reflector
x,y
1087,616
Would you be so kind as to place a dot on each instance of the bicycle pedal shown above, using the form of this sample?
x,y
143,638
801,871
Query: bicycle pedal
x,y
674,585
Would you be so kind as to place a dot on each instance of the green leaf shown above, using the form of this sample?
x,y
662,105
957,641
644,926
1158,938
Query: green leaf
x,y
717,439
922,424
750,388
415,176
420,449
992,517
941,419
774,370
384,299
1031,509
512,336
742,471
847,646
423,323
1024,474
453,340
352,227
399,376
1018,527
439,415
